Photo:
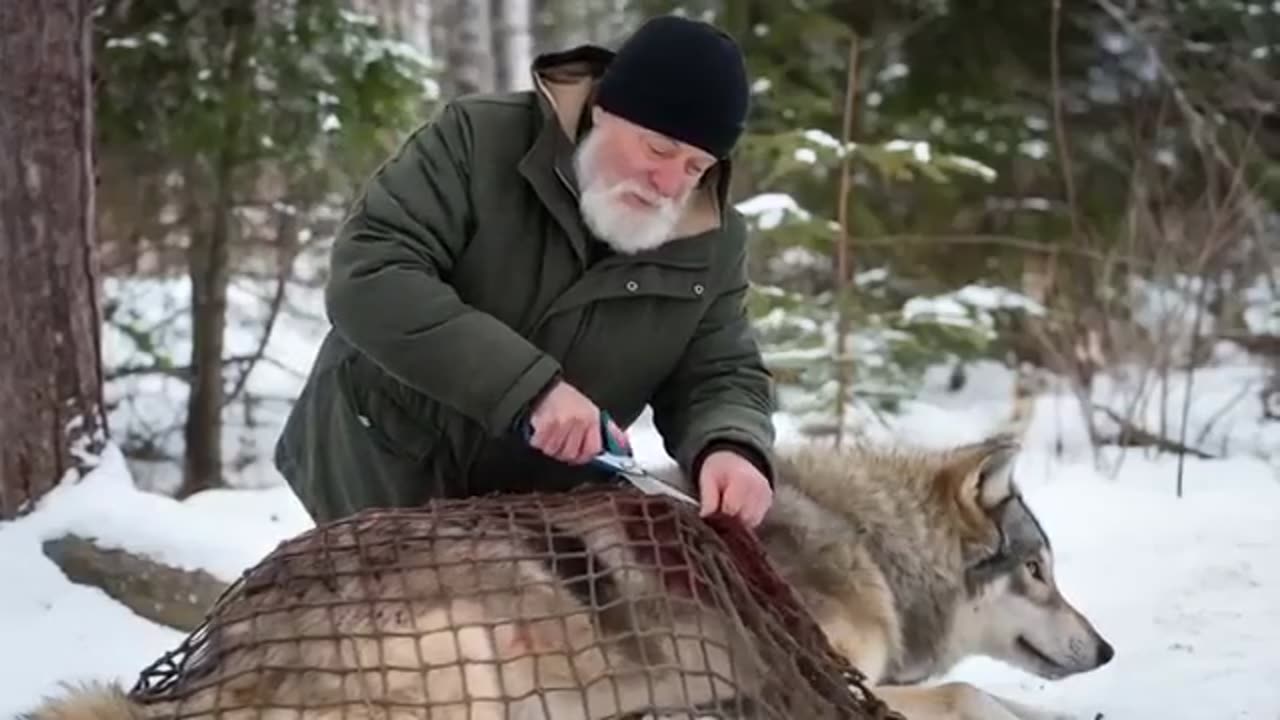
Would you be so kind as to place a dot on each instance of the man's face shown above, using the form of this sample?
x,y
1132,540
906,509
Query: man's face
x,y
635,182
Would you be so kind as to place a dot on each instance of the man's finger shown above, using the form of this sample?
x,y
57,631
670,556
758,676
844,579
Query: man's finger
x,y
572,445
592,443
584,443
710,488
759,506
764,502
732,501
544,434
559,446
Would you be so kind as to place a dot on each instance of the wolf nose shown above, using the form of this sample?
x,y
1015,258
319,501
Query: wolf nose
x,y
1105,653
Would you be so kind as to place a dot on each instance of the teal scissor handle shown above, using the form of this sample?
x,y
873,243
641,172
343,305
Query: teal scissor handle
x,y
614,457
611,445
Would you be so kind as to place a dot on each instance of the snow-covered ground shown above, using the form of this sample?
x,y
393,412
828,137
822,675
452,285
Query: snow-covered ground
x,y
1186,589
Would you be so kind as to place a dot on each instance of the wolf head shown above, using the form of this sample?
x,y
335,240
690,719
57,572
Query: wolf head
x,y
1013,610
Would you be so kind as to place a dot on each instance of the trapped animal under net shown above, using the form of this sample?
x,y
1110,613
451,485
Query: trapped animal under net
x,y
595,603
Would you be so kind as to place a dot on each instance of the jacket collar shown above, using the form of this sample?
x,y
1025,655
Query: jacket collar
x,y
564,85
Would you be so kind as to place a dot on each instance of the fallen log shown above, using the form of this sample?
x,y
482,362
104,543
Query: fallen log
x,y
170,596
1131,435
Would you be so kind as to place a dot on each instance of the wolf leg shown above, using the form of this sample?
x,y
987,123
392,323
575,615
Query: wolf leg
x,y
949,701
1028,712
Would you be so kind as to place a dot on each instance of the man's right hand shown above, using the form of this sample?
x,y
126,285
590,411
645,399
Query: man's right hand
x,y
566,426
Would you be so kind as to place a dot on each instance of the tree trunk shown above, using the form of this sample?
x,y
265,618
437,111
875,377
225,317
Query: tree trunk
x,y
558,25
468,46
512,44
210,272
51,409
502,77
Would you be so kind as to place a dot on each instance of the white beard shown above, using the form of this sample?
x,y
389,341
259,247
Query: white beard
x,y
626,229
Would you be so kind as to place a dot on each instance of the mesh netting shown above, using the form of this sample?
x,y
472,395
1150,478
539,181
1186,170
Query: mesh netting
x,y
598,603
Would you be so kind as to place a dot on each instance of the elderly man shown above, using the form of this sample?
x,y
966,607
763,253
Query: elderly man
x,y
529,260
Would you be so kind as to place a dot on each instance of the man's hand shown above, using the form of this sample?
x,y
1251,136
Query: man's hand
x,y
566,426
730,484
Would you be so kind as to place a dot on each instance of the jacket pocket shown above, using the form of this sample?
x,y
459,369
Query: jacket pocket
x,y
411,434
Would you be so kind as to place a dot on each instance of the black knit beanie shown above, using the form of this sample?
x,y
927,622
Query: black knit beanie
x,y
683,78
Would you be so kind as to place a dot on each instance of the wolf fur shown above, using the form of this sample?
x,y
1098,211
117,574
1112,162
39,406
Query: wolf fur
x,y
914,561
89,701
910,561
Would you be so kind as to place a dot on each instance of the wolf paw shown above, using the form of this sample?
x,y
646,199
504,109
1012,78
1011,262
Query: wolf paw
x,y
948,701
1028,712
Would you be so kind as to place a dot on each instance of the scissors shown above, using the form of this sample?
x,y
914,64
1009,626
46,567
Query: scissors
x,y
619,460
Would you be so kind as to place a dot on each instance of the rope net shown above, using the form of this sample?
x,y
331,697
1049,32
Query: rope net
x,y
596,603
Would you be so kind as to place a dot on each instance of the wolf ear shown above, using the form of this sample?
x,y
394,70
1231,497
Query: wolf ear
x,y
994,478
981,476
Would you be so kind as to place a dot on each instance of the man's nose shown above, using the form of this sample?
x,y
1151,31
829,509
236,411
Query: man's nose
x,y
669,179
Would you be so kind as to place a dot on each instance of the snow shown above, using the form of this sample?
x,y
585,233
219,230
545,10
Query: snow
x,y
150,407
1262,312
68,631
822,137
922,151
1186,589
973,167
770,209
968,307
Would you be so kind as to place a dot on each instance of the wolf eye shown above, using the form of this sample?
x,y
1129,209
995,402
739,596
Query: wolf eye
x,y
1037,572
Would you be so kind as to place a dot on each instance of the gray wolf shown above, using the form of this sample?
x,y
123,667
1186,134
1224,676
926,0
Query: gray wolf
x,y
909,561
914,561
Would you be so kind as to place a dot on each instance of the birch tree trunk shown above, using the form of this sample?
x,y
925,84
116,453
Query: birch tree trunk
x,y
512,44
51,410
467,46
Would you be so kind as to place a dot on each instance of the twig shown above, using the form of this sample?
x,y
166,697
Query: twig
x,y
842,248
183,372
1131,435
1194,118
1060,130
1222,412
1191,375
285,242
1011,242
1068,179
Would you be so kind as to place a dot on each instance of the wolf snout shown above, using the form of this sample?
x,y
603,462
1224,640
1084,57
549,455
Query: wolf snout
x,y
1105,652
1086,653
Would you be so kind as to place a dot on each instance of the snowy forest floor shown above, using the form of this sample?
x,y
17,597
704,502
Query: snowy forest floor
x,y
1186,589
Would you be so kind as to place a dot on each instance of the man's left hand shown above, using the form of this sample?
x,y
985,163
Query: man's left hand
x,y
730,484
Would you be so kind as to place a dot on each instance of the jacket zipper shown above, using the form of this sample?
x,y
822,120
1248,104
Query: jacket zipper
x,y
588,310
567,185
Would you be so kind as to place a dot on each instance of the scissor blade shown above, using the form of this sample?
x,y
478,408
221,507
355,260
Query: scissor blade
x,y
641,479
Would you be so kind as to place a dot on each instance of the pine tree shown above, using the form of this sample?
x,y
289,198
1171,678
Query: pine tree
x,y
51,423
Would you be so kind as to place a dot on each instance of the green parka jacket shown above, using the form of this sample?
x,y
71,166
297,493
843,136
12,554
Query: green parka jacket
x,y
463,281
